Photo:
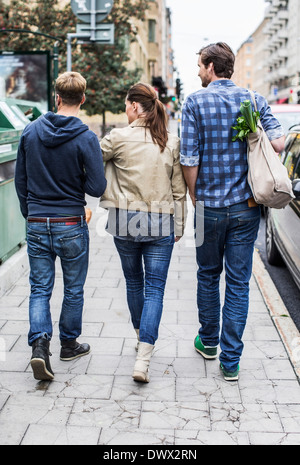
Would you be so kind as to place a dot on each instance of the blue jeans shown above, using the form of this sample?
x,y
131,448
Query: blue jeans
x,y
229,236
145,284
46,241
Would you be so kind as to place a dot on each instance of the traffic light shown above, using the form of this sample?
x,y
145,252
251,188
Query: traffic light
x,y
178,88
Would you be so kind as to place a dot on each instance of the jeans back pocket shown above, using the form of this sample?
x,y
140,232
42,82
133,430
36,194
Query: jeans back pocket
x,y
71,246
34,244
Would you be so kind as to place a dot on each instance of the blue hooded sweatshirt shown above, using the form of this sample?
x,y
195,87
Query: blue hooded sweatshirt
x,y
59,161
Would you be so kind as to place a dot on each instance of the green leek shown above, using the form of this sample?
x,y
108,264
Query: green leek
x,y
247,122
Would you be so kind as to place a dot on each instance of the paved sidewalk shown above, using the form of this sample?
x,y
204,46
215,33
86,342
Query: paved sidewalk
x,y
95,401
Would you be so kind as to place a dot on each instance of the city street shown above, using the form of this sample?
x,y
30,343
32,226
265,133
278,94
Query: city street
x,y
93,400
132,61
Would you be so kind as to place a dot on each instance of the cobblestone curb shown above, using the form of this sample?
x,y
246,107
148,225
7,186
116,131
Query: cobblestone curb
x,y
281,318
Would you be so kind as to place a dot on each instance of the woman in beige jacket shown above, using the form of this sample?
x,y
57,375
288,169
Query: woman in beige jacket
x,y
145,195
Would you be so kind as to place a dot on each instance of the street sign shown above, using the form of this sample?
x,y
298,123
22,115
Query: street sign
x,y
103,33
83,9
91,12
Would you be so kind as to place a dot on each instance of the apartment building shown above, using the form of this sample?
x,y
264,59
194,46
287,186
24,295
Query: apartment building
x,y
243,75
282,44
251,69
275,54
260,54
152,51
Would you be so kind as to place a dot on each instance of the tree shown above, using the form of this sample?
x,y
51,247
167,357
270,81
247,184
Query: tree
x,y
104,66
44,16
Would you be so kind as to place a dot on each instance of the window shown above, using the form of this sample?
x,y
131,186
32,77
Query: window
x,y
297,171
293,157
152,30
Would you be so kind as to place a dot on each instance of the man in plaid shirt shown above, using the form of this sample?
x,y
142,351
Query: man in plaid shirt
x,y
215,169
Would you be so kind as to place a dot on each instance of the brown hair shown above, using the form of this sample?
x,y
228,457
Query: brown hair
x,y
70,86
155,113
221,55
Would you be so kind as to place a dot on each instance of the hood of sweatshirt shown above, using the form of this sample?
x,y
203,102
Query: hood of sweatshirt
x,y
54,130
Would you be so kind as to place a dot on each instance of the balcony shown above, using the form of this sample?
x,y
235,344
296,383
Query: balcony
x,y
283,52
283,15
277,56
282,72
275,40
273,59
276,4
283,34
268,47
270,76
266,30
268,13
276,75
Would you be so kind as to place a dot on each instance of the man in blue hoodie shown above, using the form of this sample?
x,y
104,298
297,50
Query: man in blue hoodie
x,y
59,161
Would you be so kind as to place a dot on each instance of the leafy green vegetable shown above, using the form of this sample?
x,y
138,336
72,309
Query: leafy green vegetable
x,y
247,122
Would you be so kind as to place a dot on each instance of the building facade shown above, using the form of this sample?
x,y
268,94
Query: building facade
x,y
152,51
243,75
275,54
251,70
260,54
282,45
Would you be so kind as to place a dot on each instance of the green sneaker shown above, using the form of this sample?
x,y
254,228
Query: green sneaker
x,y
209,353
230,375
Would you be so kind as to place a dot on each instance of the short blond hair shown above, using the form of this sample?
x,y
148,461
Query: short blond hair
x,y
70,86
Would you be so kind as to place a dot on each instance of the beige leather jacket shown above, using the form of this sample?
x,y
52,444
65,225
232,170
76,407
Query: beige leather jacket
x,y
140,177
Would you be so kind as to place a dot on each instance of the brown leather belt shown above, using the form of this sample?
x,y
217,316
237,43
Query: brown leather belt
x,y
69,219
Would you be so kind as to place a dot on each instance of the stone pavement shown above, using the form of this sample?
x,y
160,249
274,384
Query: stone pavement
x,y
95,401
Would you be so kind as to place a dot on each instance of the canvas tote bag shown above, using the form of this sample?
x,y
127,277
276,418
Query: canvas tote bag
x,y
267,176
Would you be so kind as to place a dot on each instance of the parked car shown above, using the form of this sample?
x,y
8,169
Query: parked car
x,y
287,114
283,226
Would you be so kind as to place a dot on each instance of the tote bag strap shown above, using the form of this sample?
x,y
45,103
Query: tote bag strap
x,y
259,123
253,98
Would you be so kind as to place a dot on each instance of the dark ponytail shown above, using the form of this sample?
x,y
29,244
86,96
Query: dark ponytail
x,y
154,110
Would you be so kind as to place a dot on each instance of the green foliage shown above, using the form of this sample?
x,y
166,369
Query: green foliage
x,y
247,122
42,16
104,66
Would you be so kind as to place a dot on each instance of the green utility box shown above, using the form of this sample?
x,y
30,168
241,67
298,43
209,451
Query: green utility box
x,y
12,223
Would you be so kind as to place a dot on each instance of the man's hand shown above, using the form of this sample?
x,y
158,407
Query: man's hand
x,y
88,214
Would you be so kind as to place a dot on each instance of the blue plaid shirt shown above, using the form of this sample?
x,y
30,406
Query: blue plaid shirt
x,y
206,140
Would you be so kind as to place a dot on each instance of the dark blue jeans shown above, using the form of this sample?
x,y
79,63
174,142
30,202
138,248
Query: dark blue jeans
x,y
145,283
229,236
46,241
